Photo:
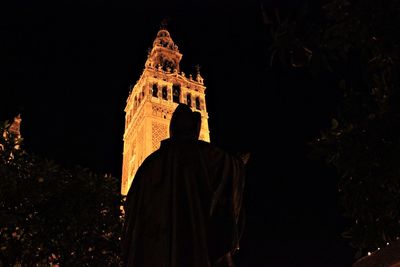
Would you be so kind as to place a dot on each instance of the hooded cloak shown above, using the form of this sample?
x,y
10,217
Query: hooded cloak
x,y
184,205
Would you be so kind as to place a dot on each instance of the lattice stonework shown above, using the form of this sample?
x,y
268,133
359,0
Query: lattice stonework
x,y
141,146
159,132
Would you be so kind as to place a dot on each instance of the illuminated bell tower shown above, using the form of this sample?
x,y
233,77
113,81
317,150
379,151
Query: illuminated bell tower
x,y
152,100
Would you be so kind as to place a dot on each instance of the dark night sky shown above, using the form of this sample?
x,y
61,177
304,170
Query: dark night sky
x,y
67,68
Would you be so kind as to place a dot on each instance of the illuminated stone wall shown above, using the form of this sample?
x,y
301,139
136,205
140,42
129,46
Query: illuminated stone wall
x,y
152,100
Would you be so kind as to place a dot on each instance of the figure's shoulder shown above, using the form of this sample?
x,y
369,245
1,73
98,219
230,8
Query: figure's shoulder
x,y
210,148
152,157
219,152
148,162
206,145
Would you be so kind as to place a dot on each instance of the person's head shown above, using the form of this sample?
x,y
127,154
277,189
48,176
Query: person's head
x,y
185,123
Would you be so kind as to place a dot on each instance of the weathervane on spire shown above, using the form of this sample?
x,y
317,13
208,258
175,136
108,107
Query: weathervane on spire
x,y
164,23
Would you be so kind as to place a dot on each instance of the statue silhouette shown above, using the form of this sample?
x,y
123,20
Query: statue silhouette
x,y
184,208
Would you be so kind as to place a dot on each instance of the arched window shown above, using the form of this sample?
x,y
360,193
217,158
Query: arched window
x,y
198,103
176,93
189,100
155,90
164,93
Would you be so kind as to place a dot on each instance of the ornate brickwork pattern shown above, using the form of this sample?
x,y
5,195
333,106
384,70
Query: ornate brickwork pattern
x,y
159,133
141,146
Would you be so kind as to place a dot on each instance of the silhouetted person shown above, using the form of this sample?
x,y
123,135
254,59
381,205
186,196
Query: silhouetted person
x,y
184,206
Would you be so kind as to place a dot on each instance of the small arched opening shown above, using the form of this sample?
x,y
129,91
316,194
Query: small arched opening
x,y
189,100
198,103
154,90
176,93
164,93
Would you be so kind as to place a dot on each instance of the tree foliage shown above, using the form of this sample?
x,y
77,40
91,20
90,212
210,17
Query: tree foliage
x,y
356,44
52,215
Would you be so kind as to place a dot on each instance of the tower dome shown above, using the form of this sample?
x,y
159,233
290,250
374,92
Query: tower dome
x,y
165,53
164,39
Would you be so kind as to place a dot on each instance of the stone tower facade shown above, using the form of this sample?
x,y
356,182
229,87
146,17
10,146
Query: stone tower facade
x,y
152,100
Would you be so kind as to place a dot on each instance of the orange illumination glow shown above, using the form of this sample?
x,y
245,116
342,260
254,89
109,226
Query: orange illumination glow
x,y
151,102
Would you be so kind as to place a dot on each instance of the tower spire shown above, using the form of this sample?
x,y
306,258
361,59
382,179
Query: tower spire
x,y
12,133
160,88
199,79
15,126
